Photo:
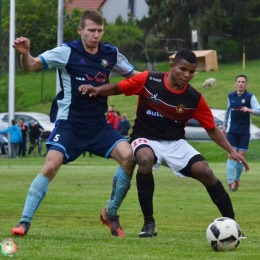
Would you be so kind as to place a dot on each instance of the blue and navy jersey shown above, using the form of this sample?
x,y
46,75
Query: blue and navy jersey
x,y
77,67
237,121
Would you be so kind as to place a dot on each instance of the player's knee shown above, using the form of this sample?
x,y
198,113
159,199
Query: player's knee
x,y
204,174
127,160
144,160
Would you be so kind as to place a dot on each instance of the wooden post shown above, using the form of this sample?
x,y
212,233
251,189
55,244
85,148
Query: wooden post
x,y
244,57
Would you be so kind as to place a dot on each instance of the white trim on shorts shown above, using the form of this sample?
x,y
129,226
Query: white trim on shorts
x,y
172,154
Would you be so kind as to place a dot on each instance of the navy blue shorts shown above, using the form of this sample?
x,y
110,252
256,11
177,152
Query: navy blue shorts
x,y
72,139
238,141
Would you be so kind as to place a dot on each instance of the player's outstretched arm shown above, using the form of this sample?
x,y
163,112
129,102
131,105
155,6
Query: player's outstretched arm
x,y
219,138
104,90
28,63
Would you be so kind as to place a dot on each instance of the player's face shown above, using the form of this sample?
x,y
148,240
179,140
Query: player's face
x,y
182,72
241,85
91,35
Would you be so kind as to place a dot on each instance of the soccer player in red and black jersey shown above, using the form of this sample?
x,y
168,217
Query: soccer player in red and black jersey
x,y
166,102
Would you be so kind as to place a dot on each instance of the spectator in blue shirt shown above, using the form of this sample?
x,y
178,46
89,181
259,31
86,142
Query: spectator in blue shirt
x,y
15,138
124,126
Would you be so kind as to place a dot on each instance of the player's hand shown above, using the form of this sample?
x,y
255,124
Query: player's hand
x,y
240,159
246,110
22,45
84,89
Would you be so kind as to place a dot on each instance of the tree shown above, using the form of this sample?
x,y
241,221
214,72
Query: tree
x,y
36,20
229,21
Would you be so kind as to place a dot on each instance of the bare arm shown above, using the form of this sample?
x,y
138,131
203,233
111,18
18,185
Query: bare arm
x,y
219,138
104,90
134,73
28,63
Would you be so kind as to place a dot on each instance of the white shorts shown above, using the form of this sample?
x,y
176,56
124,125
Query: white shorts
x,y
172,154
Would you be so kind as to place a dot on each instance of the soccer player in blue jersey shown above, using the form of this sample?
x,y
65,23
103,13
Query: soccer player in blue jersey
x,y
81,124
241,104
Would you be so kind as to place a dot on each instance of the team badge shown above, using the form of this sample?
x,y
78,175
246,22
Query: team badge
x,y
104,63
243,101
180,108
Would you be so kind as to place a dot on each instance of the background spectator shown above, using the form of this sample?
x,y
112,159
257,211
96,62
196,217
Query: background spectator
x,y
15,137
117,120
111,115
124,126
24,130
34,134
89,154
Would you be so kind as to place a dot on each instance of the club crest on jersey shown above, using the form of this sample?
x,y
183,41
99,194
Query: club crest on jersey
x,y
180,108
243,101
104,63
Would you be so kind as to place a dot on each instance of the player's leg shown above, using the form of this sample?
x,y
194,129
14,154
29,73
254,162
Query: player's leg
x,y
242,149
145,158
107,142
37,191
32,144
63,146
201,171
181,153
231,164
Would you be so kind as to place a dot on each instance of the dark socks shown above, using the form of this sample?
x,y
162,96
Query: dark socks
x,y
145,188
221,199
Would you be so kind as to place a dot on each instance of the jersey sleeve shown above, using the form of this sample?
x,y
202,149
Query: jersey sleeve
x,y
122,67
134,85
204,115
254,103
56,58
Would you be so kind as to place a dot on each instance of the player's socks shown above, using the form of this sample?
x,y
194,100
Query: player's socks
x,y
231,164
121,185
239,170
34,197
221,199
145,188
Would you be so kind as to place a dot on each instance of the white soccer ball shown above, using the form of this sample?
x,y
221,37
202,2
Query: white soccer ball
x,y
224,234
8,247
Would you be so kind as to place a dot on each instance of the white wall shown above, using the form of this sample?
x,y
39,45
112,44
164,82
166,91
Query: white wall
x,y
113,8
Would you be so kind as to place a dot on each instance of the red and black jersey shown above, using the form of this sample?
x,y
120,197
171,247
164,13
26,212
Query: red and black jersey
x,y
162,113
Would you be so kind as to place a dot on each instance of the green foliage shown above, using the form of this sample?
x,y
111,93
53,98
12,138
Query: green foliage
x,y
36,20
126,36
154,54
227,49
4,98
71,23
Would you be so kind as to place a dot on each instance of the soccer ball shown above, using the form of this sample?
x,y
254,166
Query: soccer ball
x,y
224,234
8,247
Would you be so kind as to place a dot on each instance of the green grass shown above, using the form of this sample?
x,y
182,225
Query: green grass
x,y
67,226
214,153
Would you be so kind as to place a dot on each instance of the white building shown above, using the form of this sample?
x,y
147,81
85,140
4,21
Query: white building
x,y
111,9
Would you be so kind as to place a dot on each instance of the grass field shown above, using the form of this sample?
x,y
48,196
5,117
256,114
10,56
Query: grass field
x,y
67,226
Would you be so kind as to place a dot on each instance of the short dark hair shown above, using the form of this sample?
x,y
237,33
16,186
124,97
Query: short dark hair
x,y
13,122
92,15
243,76
187,55
22,119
